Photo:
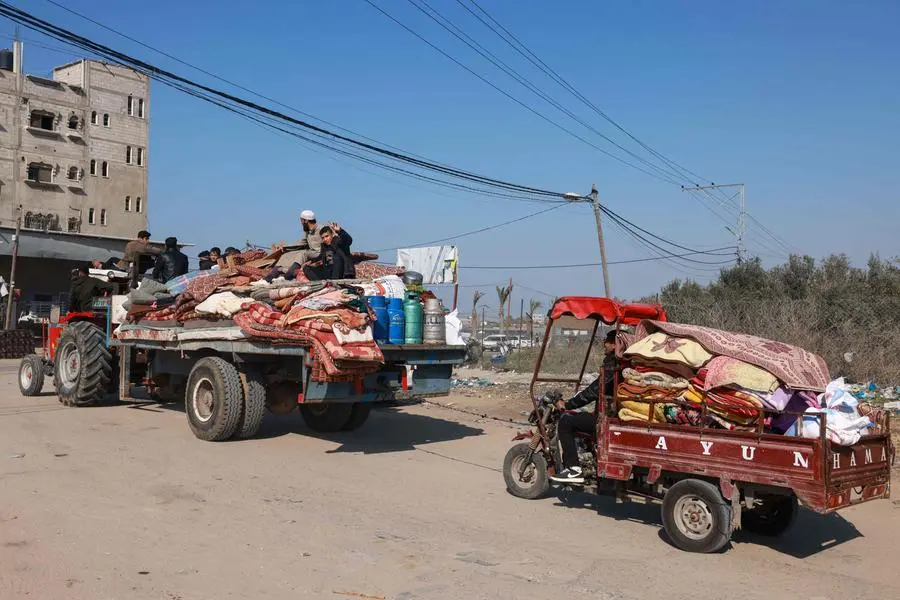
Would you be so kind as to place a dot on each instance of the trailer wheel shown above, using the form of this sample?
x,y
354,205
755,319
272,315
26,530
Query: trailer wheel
x,y
696,517
327,417
83,366
254,407
359,414
31,375
214,399
772,517
533,483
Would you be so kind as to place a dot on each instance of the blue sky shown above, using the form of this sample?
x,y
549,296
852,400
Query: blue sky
x,y
797,99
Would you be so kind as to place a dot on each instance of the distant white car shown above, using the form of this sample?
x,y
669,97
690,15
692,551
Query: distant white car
x,y
493,342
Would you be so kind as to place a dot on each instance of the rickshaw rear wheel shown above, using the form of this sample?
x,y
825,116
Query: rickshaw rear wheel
x,y
696,517
534,482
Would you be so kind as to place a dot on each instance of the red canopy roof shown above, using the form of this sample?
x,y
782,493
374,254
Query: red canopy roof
x,y
608,311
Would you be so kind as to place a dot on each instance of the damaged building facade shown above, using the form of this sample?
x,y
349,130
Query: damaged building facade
x,y
73,168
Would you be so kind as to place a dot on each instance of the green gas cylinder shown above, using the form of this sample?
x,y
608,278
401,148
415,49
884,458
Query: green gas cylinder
x,y
415,318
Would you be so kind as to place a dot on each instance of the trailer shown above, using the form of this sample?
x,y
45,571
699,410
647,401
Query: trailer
x,y
226,379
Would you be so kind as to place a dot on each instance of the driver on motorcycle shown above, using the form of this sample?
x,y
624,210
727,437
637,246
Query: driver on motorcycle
x,y
569,423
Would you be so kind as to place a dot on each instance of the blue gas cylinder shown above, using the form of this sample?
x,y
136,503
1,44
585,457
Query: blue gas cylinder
x,y
378,304
396,321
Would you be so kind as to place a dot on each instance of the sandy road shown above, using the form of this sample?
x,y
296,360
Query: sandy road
x,y
122,502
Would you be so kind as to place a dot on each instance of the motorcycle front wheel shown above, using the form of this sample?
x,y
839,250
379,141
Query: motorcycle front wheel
x,y
534,481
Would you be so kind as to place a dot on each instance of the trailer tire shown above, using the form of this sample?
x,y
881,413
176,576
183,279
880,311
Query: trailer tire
x,y
773,517
696,516
329,417
83,366
538,482
254,407
359,414
31,375
214,399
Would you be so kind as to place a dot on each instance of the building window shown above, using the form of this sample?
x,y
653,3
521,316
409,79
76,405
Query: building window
x,y
41,119
93,167
94,117
73,122
138,205
90,216
74,225
130,105
40,173
72,174
140,157
104,169
127,203
103,216
140,108
128,154
106,119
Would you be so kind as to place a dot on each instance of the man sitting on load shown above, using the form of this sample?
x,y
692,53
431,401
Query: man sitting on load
x,y
335,259
570,423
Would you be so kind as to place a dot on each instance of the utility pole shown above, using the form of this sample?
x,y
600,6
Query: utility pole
x,y
742,213
594,199
12,268
595,202
521,316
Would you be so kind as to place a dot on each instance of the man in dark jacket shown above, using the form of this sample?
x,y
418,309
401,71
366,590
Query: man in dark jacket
x,y
570,423
335,256
84,289
171,263
206,261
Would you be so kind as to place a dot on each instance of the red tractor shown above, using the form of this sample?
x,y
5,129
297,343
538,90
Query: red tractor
x,y
76,353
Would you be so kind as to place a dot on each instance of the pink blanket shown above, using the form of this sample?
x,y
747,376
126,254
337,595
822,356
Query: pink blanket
x,y
795,367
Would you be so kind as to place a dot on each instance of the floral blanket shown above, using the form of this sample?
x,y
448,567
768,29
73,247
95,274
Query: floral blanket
x,y
796,368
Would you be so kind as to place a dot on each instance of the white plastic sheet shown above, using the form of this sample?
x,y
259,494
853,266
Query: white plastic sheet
x,y
437,264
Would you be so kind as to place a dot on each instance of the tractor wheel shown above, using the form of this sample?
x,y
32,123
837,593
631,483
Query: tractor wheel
x,y
214,399
83,366
31,375
254,404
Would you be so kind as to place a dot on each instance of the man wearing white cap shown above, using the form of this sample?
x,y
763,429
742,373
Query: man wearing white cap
x,y
310,244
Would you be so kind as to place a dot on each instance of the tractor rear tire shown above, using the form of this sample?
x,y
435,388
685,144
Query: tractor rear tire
x,y
214,399
83,365
254,404
31,375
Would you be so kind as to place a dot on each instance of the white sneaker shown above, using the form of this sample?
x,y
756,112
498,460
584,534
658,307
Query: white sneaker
x,y
570,475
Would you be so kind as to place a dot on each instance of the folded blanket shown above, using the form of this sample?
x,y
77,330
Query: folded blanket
x,y
646,392
654,378
640,363
668,348
724,371
640,411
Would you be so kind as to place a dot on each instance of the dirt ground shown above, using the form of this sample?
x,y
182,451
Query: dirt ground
x,y
122,502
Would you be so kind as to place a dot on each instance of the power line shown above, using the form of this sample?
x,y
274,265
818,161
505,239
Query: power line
x,y
581,265
466,39
268,118
468,233
517,45
524,105
174,80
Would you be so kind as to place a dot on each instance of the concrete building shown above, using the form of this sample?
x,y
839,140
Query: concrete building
x,y
73,166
